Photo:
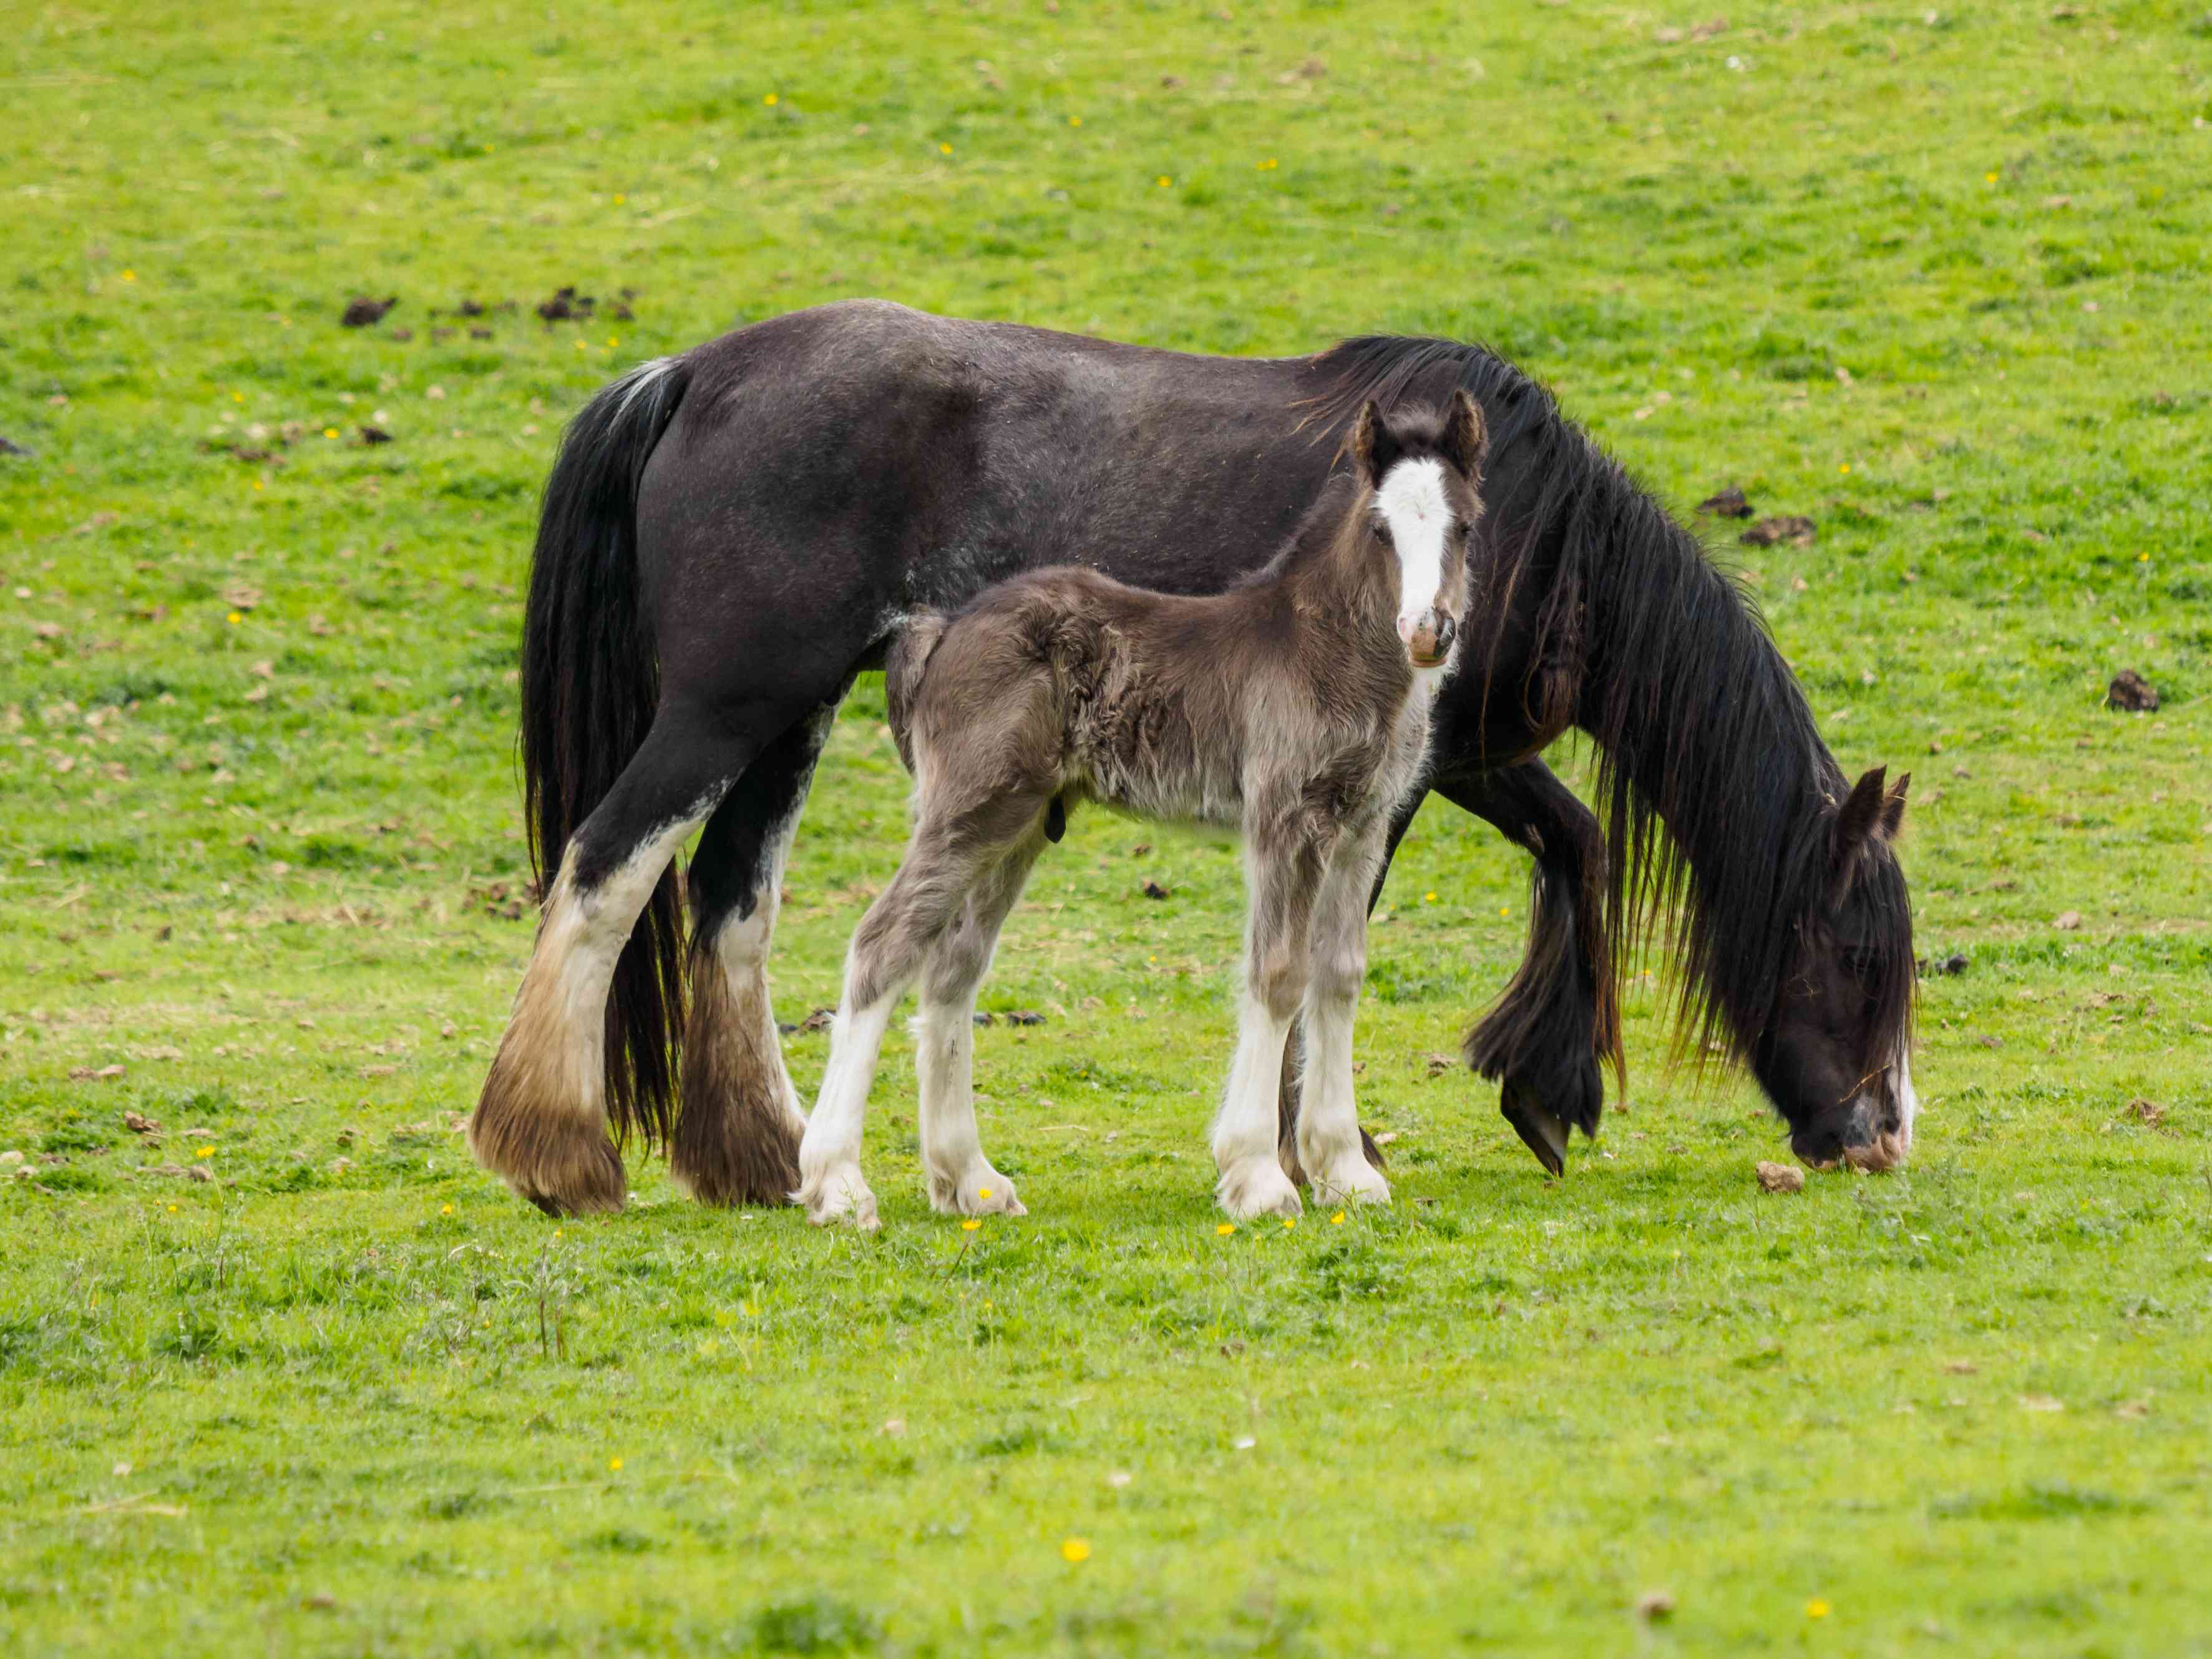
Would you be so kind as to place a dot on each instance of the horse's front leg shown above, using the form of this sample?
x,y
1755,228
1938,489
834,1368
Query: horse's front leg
x,y
1283,872
1329,1139
1558,1019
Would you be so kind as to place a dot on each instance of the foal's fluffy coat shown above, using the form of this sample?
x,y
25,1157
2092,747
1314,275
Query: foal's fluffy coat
x,y
1295,707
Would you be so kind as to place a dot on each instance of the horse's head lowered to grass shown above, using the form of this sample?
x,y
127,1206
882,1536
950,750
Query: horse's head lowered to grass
x,y
1834,1053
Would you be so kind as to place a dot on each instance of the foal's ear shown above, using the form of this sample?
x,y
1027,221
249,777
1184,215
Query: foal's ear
x,y
1466,437
1372,447
1865,816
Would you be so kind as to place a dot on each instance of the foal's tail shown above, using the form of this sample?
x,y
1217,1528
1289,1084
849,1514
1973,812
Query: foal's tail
x,y
590,679
904,665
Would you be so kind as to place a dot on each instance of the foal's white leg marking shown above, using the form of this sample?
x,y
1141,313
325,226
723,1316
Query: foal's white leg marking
x,y
1411,501
559,1023
1908,1105
1252,1179
830,1185
962,1181
1328,1114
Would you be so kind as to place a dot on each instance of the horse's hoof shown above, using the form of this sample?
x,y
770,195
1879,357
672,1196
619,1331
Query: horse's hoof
x,y
1542,1133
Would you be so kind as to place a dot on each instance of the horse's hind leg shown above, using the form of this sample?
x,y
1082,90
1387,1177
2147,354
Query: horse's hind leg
x,y
738,1121
962,1179
541,1123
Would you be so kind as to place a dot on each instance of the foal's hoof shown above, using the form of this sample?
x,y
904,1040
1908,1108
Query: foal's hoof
x,y
979,1191
1256,1189
840,1195
1352,1180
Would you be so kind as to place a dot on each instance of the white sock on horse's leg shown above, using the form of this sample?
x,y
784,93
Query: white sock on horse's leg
x,y
1252,1179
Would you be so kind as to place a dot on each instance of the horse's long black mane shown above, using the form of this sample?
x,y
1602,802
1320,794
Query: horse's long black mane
x,y
1712,775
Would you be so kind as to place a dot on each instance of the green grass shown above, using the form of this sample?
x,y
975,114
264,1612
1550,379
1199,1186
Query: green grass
x,y
258,834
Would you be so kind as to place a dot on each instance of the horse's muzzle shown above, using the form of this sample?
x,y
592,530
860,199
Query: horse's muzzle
x,y
1430,640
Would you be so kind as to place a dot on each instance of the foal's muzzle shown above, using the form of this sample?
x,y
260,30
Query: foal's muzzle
x,y
1428,640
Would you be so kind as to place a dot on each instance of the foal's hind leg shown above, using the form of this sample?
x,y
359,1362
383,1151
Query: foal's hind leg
x,y
962,1181
541,1123
738,1123
947,857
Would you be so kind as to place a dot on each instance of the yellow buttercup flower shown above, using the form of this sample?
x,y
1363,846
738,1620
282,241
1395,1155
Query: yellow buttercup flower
x,y
770,99
1226,1229
1075,1549
1816,1608
614,1464
1337,1220
969,1224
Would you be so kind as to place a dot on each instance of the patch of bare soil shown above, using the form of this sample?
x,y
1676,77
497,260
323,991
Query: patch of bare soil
x,y
1795,530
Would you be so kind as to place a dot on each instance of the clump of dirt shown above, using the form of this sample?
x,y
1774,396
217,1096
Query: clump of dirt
x,y
1781,1177
1024,1017
1795,529
10,447
2130,693
1953,965
1153,889
2149,1112
818,1020
567,305
504,900
374,434
362,311
1726,504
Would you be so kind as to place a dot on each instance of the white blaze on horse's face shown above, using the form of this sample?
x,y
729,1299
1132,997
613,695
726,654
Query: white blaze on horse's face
x,y
1413,505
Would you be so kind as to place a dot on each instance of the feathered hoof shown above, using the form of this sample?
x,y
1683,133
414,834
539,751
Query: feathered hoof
x,y
1542,1133
740,1158
558,1158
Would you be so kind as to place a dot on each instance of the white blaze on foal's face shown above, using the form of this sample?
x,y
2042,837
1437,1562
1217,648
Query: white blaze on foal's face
x,y
1413,505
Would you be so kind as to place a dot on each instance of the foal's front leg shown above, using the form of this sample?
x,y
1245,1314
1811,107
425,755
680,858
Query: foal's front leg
x,y
1282,874
1328,1135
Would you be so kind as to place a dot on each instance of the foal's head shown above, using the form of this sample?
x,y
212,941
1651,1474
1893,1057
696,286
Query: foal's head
x,y
1834,1055
1423,473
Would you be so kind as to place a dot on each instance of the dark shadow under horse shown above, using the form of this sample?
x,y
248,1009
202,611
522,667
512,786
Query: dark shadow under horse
x,y
731,535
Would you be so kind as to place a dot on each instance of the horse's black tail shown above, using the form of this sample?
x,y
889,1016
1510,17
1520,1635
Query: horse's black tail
x,y
590,680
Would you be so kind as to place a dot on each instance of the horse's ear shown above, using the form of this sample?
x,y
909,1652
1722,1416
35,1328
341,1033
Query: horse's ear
x,y
1859,817
1372,445
1893,806
1467,437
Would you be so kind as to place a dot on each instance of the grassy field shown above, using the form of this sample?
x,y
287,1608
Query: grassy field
x,y
289,1374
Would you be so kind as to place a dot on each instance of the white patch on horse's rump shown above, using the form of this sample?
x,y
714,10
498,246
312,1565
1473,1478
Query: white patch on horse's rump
x,y
1412,503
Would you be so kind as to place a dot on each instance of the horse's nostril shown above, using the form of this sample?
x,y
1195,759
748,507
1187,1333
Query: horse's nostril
x,y
1446,631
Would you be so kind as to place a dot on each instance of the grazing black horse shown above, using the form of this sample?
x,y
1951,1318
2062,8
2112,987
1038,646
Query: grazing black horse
x,y
729,536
